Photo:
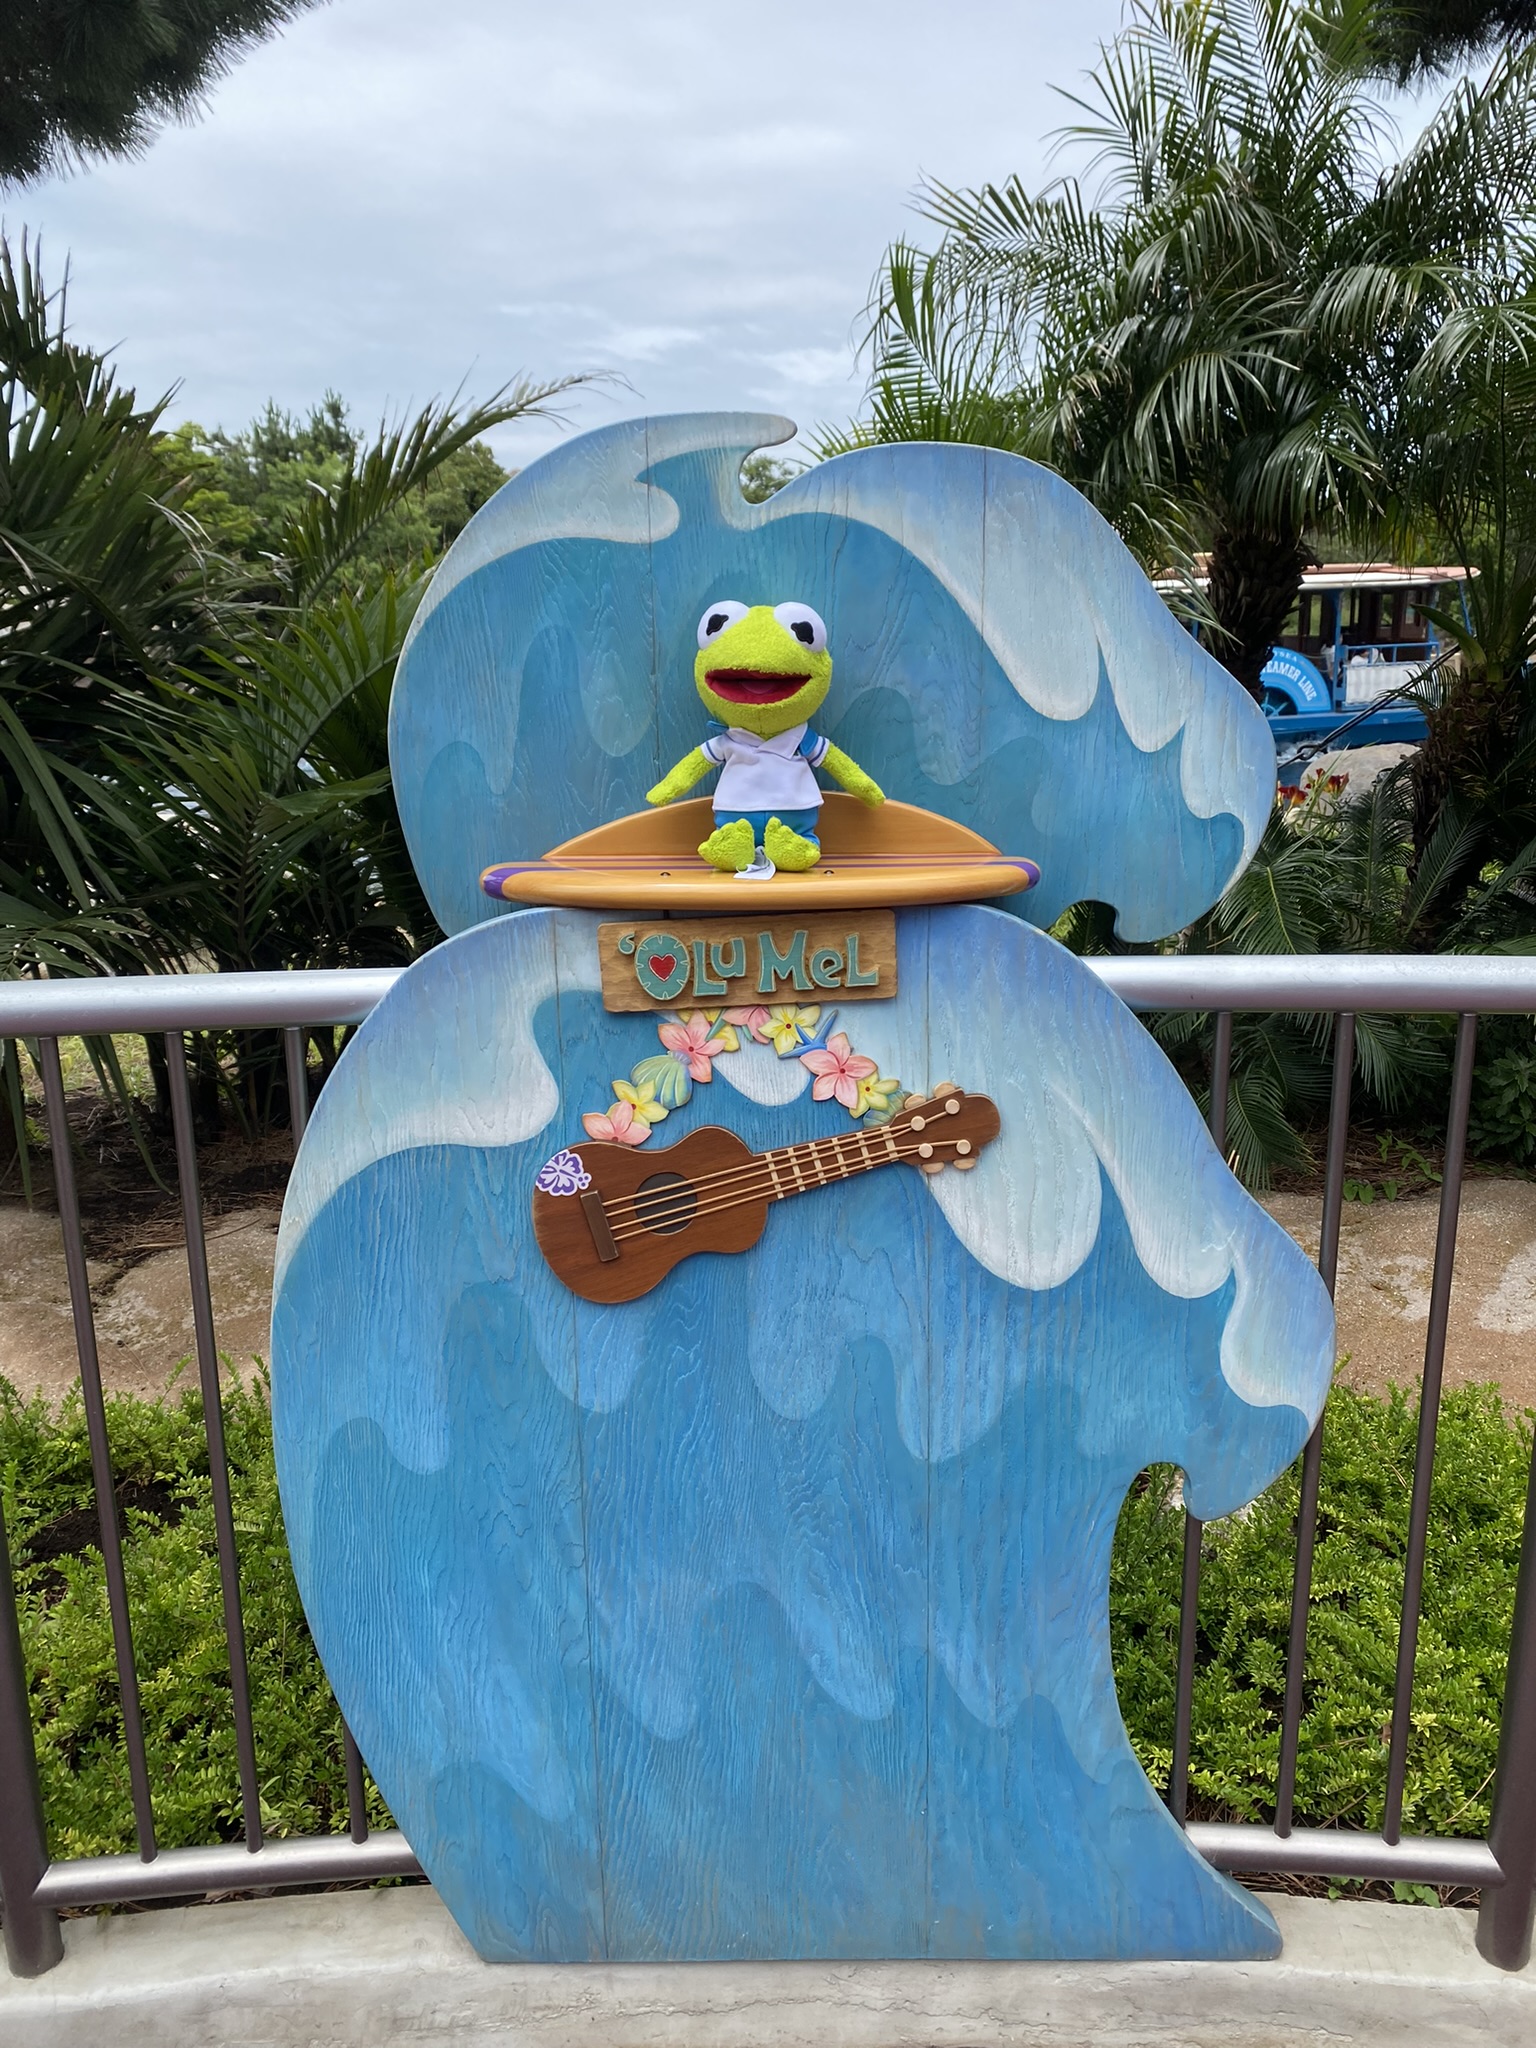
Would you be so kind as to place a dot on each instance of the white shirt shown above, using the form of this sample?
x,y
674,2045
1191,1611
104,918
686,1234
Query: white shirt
x,y
771,774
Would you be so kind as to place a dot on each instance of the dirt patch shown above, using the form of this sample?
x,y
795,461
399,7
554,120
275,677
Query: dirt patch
x,y
143,1303
1386,1262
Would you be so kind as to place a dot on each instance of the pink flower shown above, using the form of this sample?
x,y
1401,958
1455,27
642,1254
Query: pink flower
x,y
621,1126
689,1041
838,1070
751,1021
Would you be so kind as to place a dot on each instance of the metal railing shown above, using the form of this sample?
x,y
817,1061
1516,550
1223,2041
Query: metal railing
x,y
33,1888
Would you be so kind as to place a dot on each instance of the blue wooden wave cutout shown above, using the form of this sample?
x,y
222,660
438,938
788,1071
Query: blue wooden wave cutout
x,y
767,1616
998,657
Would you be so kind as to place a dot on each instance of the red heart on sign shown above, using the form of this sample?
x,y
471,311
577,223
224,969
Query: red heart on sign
x,y
662,964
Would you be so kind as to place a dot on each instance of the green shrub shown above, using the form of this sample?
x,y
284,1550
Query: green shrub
x,y
1476,1519
1502,1123
166,1505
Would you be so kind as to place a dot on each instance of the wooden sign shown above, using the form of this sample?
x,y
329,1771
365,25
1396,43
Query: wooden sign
x,y
708,963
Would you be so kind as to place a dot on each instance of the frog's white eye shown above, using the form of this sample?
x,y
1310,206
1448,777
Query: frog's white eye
x,y
805,624
718,616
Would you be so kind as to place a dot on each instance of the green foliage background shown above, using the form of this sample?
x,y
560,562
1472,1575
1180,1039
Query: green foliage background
x,y
244,490
1475,1534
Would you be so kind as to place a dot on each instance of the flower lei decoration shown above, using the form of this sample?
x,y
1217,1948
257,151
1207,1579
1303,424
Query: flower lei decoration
x,y
695,1039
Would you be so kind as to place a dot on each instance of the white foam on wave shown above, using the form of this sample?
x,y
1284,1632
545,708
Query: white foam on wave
x,y
1081,1086
479,1079
1051,631
1082,1090
589,489
1051,628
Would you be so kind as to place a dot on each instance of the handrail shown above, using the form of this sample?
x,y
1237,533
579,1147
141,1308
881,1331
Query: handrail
x,y
62,1007
1392,982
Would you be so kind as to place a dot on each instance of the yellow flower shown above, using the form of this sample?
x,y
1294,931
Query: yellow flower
x,y
642,1100
877,1093
782,1029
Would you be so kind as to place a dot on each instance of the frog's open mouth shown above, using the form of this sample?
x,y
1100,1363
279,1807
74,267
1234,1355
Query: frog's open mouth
x,y
752,685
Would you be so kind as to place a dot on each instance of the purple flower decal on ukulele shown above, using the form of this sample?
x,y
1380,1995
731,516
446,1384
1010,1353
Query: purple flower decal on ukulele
x,y
563,1175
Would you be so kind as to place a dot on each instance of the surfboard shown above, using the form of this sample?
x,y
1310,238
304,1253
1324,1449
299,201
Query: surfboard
x,y
895,855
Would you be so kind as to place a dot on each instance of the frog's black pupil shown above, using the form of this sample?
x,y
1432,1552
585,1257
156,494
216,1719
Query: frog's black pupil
x,y
715,621
803,630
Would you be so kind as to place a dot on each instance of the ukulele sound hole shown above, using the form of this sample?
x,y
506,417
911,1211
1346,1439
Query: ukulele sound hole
x,y
666,1203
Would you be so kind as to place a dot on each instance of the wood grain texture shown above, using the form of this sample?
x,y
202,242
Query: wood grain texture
x,y
766,1615
998,658
613,1221
852,884
893,854
737,970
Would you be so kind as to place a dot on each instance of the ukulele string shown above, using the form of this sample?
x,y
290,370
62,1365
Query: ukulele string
x,y
665,1206
756,1164
776,1161
680,1211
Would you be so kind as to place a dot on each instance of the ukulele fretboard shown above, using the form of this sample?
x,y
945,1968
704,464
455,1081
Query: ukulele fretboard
x,y
792,1169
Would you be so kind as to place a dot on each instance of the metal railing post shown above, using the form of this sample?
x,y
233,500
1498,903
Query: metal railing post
x,y
93,1399
1194,1528
213,1424
1429,1423
1312,1456
1505,1917
33,1942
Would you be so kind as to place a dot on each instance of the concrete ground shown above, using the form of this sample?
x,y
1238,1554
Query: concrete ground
x,y
1386,1258
358,1969
1386,1254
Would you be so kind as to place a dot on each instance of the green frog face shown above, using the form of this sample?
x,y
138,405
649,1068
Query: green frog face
x,y
761,667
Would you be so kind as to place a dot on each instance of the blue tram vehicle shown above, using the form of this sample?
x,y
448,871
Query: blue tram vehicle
x,y
1358,634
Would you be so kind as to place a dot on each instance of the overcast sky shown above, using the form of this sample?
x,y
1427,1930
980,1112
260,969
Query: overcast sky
x,y
391,198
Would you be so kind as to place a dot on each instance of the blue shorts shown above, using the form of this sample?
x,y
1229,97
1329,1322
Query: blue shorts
x,y
803,822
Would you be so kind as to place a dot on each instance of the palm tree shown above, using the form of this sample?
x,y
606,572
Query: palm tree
x,y
1210,341
193,770
1463,460
83,80
1416,38
136,662
1343,875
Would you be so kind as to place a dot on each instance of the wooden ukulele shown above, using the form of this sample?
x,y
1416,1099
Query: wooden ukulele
x,y
613,1222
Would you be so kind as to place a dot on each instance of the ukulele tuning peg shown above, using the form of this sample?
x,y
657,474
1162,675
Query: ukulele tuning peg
x,y
964,1165
945,1088
931,1165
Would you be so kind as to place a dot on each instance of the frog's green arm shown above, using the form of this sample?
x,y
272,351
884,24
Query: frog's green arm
x,y
691,769
845,770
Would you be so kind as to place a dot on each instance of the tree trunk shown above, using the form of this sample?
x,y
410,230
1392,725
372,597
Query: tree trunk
x,y
1472,734
1254,581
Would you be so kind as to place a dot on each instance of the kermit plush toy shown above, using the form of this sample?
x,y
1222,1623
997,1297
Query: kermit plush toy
x,y
761,671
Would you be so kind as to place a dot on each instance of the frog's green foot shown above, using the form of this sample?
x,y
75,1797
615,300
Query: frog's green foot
x,y
788,850
730,847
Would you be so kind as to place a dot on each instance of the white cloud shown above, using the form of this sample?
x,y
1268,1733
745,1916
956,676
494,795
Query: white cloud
x,y
390,198
810,368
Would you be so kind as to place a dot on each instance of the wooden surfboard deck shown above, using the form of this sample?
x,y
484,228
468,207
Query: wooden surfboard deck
x,y
896,854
